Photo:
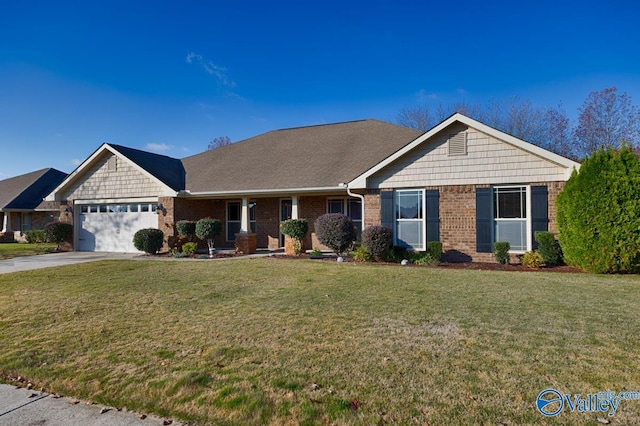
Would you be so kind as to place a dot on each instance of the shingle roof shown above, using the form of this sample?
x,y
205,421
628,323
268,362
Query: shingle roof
x,y
167,169
25,192
305,157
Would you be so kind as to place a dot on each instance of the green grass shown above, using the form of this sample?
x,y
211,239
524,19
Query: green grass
x,y
10,250
243,341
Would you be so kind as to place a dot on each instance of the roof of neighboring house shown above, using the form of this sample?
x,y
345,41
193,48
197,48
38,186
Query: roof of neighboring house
x,y
25,192
313,157
166,169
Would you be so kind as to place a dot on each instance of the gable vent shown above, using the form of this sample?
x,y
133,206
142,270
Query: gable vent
x,y
112,164
457,143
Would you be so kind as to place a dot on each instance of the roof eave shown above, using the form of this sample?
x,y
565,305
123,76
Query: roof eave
x,y
263,192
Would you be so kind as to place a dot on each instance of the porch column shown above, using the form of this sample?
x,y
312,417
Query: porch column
x,y
294,207
246,241
244,217
6,223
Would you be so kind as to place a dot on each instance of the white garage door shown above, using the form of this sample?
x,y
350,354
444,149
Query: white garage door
x,y
110,227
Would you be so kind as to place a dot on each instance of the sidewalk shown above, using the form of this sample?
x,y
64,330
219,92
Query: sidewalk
x,y
20,407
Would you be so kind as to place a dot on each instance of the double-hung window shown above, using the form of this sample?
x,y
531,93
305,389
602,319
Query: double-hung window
x,y
348,206
234,218
510,216
409,215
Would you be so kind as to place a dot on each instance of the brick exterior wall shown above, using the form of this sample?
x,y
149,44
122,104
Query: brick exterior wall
x,y
458,219
372,208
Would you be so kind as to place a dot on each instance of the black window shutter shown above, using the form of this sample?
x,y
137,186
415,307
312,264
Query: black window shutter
x,y
433,215
539,211
386,209
484,220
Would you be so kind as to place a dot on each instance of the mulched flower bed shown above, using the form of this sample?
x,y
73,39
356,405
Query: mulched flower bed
x,y
480,266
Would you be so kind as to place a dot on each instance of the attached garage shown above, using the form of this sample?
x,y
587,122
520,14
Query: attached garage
x,y
110,227
114,193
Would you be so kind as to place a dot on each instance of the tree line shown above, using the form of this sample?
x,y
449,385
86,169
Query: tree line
x,y
606,119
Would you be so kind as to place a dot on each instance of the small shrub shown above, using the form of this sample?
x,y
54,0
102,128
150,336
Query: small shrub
x,y
35,236
335,231
186,228
208,229
399,253
532,259
179,255
316,252
296,229
148,240
434,248
424,258
189,248
549,248
362,255
58,232
377,241
501,250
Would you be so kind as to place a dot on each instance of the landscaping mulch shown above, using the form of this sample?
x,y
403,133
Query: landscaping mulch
x,y
480,266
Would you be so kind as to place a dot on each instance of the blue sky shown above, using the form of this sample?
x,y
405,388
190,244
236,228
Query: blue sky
x,y
170,76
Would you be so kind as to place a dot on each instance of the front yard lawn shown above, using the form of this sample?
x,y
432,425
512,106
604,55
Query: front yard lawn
x,y
9,250
266,341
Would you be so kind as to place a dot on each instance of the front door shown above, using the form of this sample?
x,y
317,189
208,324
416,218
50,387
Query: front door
x,y
286,207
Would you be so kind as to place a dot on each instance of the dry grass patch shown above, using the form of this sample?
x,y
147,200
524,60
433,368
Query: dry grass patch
x,y
264,341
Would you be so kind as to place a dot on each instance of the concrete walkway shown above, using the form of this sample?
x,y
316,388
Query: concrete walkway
x,y
27,263
21,407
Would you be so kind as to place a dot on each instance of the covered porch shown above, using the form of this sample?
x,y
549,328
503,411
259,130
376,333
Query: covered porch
x,y
252,221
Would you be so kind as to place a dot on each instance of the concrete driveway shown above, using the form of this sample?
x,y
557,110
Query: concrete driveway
x,y
27,263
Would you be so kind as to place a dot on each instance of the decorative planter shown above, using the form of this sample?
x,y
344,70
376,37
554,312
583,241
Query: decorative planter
x,y
288,246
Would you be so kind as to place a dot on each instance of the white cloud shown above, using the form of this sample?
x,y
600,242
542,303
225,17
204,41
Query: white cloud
x,y
219,72
158,147
76,162
422,96
191,56
461,91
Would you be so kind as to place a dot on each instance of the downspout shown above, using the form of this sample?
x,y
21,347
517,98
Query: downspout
x,y
361,197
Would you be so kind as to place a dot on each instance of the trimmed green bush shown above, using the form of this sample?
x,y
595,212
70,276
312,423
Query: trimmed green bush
x,y
434,248
548,247
189,248
208,229
148,240
35,236
296,229
377,241
335,231
186,228
599,213
501,250
58,232
532,259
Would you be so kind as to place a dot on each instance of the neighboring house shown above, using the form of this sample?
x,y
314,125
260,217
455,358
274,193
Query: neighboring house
x,y
21,203
462,183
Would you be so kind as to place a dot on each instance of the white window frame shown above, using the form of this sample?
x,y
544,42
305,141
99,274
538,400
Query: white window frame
x,y
422,219
345,208
252,218
527,219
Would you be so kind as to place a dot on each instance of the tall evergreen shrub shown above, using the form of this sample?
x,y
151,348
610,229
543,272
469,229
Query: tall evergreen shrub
x,y
599,213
